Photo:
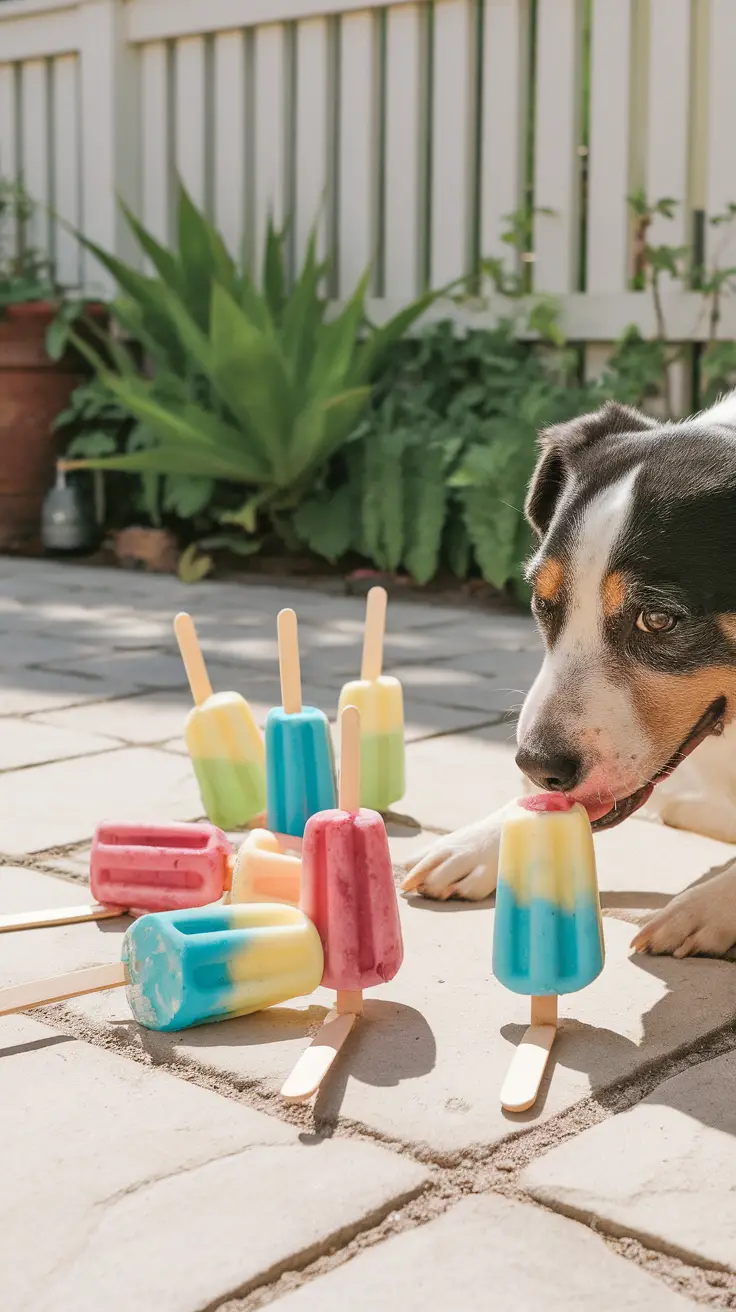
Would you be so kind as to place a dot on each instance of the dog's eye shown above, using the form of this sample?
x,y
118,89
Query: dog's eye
x,y
656,621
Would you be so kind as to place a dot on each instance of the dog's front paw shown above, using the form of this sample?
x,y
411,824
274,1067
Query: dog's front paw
x,y
700,920
463,864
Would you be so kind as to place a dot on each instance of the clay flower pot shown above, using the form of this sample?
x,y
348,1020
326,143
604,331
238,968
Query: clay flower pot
x,y
152,549
33,390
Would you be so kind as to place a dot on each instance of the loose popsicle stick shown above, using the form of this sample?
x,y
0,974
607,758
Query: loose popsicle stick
x,y
316,1061
57,916
191,654
375,628
19,997
524,1076
291,679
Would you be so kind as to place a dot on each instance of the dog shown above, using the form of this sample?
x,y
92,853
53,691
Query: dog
x,y
634,592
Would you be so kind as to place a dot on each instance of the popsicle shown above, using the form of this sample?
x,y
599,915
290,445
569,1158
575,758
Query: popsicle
x,y
185,968
348,892
547,933
300,770
379,700
144,868
223,741
263,872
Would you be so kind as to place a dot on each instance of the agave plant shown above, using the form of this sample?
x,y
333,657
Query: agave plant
x,y
251,384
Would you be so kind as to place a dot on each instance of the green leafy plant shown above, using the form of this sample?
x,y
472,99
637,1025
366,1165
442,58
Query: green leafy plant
x,y
247,385
648,364
26,273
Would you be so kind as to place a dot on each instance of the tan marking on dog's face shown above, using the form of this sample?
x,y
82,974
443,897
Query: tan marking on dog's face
x,y
727,625
549,579
613,593
670,705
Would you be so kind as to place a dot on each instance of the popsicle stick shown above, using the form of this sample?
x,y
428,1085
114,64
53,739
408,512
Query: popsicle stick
x,y
191,654
57,916
350,759
316,1061
524,1076
350,1002
375,628
291,679
19,997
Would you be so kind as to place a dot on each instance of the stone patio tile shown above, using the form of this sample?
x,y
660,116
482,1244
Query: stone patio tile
x,y
426,1064
138,667
74,865
456,779
488,1252
641,864
148,718
143,1191
422,720
29,890
49,806
24,691
662,1171
443,685
19,647
23,743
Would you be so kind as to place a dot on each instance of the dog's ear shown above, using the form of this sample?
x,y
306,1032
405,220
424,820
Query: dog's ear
x,y
559,447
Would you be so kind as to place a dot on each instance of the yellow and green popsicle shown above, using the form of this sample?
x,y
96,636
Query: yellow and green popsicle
x,y
379,700
223,741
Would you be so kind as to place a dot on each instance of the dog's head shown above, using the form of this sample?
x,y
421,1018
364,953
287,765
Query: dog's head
x,y
634,589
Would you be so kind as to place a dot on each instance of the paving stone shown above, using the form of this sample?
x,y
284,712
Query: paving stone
x,y
25,691
444,685
456,779
29,890
422,720
486,1253
39,953
149,718
74,865
18,646
134,1189
662,1171
140,668
426,1064
23,743
49,806
641,865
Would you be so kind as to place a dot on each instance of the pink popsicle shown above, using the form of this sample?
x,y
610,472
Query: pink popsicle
x,y
348,893
159,867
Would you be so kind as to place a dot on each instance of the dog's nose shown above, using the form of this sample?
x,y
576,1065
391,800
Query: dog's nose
x,y
555,772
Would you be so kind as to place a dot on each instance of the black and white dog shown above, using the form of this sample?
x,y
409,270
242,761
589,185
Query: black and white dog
x,y
635,594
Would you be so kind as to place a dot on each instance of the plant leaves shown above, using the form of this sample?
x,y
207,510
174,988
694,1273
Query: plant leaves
x,y
325,524
192,567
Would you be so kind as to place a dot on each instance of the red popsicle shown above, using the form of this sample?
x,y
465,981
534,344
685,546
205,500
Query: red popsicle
x,y
348,893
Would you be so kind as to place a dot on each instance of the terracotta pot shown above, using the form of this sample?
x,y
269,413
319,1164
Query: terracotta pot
x,y
152,549
33,390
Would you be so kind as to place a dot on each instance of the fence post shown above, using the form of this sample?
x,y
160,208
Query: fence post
x,y
109,133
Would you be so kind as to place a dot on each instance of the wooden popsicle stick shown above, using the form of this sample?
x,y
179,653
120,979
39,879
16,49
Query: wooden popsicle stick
x,y
19,997
317,1059
291,679
57,916
191,654
349,759
524,1076
375,628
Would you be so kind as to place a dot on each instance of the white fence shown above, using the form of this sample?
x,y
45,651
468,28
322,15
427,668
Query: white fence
x,y
413,128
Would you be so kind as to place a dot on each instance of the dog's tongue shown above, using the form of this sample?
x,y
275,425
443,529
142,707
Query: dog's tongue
x,y
596,810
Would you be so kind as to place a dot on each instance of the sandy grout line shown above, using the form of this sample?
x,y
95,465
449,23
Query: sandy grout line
x,y
496,1169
